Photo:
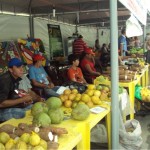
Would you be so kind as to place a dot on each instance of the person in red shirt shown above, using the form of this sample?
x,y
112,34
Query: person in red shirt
x,y
74,72
79,46
88,65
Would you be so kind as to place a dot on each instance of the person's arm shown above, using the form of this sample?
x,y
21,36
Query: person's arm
x,y
88,68
13,102
81,76
71,75
38,84
51,84
35,97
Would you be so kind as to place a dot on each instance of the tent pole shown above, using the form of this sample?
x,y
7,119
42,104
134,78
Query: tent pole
x,y
31,25
144,35
114,75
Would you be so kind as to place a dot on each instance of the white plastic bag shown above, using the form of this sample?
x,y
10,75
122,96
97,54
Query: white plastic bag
x,y
132,139
99,134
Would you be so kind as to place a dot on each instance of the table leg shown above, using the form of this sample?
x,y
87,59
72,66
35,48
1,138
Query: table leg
x,y
146,77
108,126
131,95
84,144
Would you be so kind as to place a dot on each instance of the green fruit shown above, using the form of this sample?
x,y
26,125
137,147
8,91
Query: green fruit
x,y
80,112
21,145
53,102
25,137
56,115
38,148
43,144
34,139
2,147
10,145
39,107
42,120
4,137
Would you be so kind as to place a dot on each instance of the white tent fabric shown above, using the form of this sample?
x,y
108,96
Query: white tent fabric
x,y
133,27
14,27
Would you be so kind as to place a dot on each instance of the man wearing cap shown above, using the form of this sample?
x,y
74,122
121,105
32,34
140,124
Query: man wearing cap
x,y
10,101
39,77
79,46
87,65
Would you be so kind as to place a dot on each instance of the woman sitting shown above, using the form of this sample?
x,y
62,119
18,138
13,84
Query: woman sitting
x,y
74,72
88,65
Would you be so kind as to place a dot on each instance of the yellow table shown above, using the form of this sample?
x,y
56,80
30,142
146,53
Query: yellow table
x,y
143,77
78,131
66,141
84,127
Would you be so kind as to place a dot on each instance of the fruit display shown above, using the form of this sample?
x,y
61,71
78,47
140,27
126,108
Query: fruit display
x,y
28,137
135,50
47,113
80,112
145,94
94,95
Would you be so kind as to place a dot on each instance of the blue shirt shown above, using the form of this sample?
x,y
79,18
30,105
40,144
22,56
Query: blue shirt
x,y
38,74
122,39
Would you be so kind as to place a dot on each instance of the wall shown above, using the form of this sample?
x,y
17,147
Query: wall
x,y
13,27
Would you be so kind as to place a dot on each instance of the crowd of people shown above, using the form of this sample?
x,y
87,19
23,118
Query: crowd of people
x,y
18,94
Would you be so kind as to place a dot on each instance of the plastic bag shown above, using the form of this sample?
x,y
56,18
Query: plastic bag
x,y
138,92
99,134
130,136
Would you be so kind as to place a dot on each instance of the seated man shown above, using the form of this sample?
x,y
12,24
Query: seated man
x,y
88,65
39,77
74,72
12,105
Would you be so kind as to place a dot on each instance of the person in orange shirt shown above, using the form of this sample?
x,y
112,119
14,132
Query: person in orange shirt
x,y
74,72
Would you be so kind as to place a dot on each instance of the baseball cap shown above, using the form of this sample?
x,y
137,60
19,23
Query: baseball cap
x,y
89,51
37,57
15,62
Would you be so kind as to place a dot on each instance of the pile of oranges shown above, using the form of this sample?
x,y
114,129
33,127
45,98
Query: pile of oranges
x,y
92,96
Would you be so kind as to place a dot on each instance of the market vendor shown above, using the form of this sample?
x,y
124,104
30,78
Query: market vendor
x,y
12,105
88,65
40,79
74,72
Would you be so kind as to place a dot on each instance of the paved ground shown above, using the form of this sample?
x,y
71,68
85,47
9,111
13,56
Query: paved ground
x,y
145,126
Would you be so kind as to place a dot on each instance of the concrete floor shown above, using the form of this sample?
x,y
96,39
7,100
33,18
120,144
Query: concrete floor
x,y
145,126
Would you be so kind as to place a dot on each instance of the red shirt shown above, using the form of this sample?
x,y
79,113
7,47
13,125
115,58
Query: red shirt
x,y
83,63
75,74
78,46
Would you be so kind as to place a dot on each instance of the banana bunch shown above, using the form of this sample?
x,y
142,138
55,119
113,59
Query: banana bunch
x,y
141,62
145,94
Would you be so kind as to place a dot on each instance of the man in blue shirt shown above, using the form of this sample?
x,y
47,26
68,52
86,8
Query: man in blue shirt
x,y
12,105
40,79
122,43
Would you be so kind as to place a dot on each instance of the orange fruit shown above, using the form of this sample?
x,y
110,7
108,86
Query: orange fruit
x,y
68,103
67,91
71,96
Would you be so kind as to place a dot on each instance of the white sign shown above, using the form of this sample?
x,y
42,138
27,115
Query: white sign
x,y
138,9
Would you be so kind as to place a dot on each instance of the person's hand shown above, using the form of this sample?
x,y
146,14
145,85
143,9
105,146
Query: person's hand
x,y
27,98
51,85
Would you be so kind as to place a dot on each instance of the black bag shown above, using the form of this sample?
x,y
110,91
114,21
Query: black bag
x,y
76,85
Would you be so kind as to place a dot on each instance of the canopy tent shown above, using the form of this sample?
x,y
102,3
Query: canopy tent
x,y
81,12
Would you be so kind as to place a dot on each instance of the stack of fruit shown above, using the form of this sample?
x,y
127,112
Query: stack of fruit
x,y
29,137
145,94
92,96
46,113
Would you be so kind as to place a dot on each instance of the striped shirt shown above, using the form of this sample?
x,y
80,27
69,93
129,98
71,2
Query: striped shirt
x,y
78,46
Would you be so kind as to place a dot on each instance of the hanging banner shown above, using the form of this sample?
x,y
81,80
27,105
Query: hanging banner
x,y
137,8
55,41
133,27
